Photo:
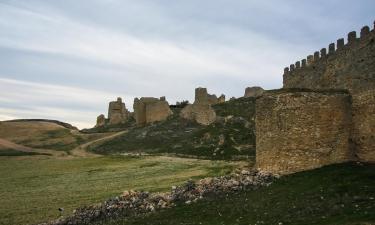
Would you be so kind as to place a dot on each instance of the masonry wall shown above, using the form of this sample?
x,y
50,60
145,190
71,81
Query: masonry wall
x,y
298,130
364,125
348,66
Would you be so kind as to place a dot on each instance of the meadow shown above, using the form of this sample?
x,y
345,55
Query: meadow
x,y
32,188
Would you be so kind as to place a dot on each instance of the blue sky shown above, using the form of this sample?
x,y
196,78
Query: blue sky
x,y
67,59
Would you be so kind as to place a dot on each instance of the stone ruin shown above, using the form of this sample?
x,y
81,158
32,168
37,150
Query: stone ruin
x,y
201,111
325,112
253,92
202,97
117,114
148,110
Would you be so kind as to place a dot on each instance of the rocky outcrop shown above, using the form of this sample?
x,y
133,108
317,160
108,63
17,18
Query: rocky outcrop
x,y
253,92
201,111
298,130
148,110
133,203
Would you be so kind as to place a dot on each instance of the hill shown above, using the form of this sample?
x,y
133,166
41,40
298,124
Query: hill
x,y
336,194
43,134
230,137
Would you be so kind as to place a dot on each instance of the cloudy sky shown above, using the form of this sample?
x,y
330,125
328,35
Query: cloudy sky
x,y
67,59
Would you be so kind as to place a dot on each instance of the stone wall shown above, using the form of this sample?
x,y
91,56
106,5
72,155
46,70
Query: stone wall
x,y
117,112
202,97
350,66
148,110
298,130
253,92
201,111
364,125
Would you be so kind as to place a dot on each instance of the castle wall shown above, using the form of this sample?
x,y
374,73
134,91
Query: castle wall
x,y
298,130
117,112
364,125
350,66
148,110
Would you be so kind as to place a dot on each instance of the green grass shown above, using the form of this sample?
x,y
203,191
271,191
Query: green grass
x,y
338,194
178,136
32,189
12,152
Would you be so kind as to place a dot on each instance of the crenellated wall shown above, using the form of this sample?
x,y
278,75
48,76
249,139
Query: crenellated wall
x,y
325,112
348,65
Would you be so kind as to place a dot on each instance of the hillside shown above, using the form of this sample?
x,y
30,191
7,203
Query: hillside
x,y
44,134
230,137
337,194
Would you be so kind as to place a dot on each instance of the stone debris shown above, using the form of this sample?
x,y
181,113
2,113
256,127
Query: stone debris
x,y
132,203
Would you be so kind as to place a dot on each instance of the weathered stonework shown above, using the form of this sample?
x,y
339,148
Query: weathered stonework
x,y
202,97
253,92
300,130
100,121
117,112
148,110
364,125
201,111
351,66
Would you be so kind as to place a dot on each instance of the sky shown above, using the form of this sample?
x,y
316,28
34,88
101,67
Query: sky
x,y
66,60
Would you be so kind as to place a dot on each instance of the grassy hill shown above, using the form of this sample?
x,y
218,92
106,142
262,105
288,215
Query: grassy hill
x,y
231,136
338,194
33,188
44,134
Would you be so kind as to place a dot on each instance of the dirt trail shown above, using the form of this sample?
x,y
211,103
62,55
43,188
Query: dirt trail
x,y
81,151
5,144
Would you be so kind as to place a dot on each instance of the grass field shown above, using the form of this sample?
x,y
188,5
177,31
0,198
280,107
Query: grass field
x,y
336,195
33,187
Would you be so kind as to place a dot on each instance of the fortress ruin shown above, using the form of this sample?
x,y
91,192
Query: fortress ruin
x,y
148,110
201,111
325,112
117,114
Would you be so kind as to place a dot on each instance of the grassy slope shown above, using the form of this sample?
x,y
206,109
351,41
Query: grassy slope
x,y
178,136
44,135
338,194
32,189
13,152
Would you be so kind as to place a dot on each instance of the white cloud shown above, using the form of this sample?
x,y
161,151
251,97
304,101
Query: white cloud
x,y
78,106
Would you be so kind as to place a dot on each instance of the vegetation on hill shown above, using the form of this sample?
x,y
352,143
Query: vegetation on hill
x,y
337,194
32,189
231,136
13,152
44,134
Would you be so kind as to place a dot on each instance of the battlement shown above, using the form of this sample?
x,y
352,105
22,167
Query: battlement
x,y
345,65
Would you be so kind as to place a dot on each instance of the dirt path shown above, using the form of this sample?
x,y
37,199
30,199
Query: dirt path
x,y
81,151
5,144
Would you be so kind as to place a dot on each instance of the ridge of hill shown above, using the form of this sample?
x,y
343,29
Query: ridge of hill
x,y
230,137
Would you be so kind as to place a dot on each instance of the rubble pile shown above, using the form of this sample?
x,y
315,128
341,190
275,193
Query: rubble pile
x,y
132,203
